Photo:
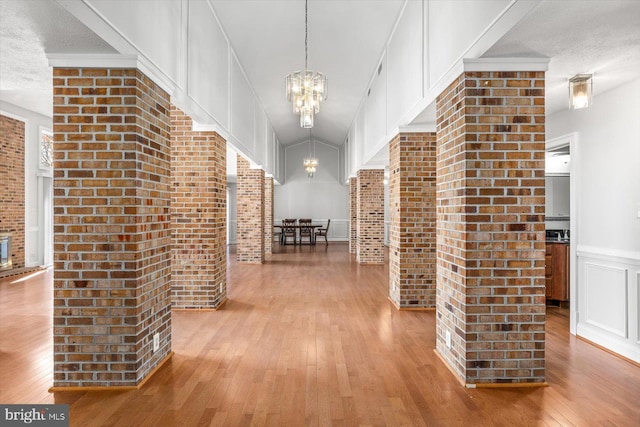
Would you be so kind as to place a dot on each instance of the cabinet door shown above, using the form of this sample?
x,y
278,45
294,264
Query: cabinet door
x,y
560,272
548,271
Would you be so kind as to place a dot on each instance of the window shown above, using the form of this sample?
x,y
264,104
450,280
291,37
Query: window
x,y
46,149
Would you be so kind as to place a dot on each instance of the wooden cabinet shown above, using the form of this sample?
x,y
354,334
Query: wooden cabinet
x,y
557,271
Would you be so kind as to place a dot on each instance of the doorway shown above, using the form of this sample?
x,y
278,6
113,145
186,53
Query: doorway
x,y
561,162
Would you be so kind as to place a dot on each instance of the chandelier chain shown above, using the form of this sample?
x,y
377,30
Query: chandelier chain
x,y
306,33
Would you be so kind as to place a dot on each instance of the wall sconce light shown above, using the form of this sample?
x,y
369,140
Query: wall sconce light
x,y
580,88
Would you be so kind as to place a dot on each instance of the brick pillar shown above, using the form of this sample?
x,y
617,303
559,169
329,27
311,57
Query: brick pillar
x,y
268,216
250,213
12,187
112,242
198,216
412,214
490,202
370,220
353,215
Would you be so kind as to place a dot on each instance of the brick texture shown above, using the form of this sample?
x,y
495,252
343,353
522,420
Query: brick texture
x,y
353,215
250,214
412,215
268,216
111,226
370,214
198,216
12,187
490,216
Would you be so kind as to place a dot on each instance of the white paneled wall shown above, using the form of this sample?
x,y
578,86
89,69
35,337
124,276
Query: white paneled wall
x,y
608,299
448,43
242,110
321,197
167,28
418,61
212,87
208,75
607,222
404,64
375,121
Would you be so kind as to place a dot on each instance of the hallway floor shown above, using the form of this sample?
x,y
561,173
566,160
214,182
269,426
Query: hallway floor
x,y
310,338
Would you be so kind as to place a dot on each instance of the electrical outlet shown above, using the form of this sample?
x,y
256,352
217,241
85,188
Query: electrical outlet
x,y
447,339
156,342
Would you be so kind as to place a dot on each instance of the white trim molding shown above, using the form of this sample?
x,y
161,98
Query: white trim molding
x,y
418,128
210,127
606,254
505,64
113,60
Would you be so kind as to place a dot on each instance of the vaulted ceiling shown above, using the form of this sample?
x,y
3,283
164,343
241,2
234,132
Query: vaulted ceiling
x,y
346,41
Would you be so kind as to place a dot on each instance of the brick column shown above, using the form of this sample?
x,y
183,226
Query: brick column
x,y
412,214
112,256
198,216
353,215
370,220
490,204
12,197
250,213
268,216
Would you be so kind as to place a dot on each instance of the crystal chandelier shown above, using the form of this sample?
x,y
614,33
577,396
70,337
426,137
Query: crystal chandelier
x,y
306,89
311,162
310,166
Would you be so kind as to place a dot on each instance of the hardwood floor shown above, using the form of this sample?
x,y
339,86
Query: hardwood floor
x,y
309,338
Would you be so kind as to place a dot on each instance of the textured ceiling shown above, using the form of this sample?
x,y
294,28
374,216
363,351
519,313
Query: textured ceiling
x,y
28,29
600,37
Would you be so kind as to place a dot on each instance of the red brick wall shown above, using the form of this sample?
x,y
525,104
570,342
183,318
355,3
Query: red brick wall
x,y
490,213
268,216
112,241
198,216
250,214
412,215
353,215
12,187
370,220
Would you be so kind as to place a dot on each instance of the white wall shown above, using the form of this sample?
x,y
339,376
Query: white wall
x,y
607,164
35,179
321,197
419,61
212,88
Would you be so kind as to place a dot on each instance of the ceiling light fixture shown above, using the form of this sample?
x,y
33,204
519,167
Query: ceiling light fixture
x,y
580,88
311,162
306,89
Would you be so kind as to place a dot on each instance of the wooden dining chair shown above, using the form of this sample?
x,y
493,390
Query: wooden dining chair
x,y
306,230
289,230
323,232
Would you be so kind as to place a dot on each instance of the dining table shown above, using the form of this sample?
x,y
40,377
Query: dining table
x,y
298,227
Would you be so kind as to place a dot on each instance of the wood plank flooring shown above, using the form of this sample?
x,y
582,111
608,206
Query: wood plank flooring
x,y
309,338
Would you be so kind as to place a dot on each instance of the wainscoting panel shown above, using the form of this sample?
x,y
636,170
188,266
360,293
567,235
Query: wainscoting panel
x,y
339,229
608,297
